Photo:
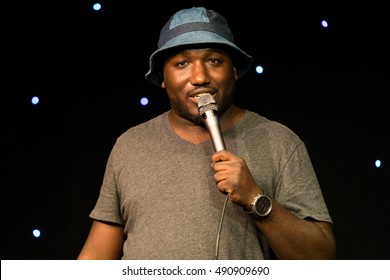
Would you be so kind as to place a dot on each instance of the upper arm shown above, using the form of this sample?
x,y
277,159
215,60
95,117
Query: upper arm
x,y
104,242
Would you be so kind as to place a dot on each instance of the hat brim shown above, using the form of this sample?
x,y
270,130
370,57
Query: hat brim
x,y
196,39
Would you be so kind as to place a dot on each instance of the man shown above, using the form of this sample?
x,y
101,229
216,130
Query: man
x,y
162,199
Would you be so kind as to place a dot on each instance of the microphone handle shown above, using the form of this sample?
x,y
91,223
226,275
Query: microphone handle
x,y
211,121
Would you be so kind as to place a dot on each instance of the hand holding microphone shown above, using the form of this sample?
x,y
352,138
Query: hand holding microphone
x,y
233,177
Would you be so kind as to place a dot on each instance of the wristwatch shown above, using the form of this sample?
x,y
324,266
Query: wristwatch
x,y
261,207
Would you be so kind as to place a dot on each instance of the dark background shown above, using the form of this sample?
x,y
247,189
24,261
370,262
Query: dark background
x,y
329,85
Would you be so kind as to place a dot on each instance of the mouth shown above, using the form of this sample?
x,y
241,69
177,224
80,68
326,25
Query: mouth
x,y
199,91
196,93
201,94
195,98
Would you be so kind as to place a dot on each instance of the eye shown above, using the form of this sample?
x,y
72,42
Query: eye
x,y
215,61
181,63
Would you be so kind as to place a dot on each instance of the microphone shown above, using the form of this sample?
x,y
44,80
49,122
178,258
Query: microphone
x,y
208,110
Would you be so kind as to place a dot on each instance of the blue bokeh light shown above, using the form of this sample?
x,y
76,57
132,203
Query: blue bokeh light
x,y
144,101
35,100
36,233
97,6
259,69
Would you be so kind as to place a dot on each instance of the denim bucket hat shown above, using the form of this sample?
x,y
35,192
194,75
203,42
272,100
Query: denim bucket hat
x,y
196,27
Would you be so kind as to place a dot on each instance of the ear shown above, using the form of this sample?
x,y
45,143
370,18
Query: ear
x,y
161,79
235,73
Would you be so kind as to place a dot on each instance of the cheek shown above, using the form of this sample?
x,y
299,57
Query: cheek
x,y
174,82
174,78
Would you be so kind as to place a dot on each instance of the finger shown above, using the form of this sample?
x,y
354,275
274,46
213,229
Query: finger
x,y
220,176
218,166
213,162
220,156
223,188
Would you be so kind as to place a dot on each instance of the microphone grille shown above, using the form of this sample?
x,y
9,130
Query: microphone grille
x,y
206,102
205,99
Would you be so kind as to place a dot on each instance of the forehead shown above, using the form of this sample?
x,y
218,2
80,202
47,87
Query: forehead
x,y
199,51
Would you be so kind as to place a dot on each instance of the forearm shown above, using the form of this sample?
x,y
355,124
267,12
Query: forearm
x,y
294,238
104,242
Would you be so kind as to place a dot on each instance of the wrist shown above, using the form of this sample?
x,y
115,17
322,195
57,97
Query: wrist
x,y
260,207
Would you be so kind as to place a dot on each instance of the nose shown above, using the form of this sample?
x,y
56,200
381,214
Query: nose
x,y
199,74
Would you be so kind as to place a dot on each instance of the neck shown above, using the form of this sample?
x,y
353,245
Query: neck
x,y
231,117
196,134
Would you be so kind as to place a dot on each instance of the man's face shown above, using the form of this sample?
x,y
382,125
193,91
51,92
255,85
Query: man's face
x,y
194,71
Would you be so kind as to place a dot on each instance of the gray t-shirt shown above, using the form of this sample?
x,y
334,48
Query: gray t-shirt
x,y
161,189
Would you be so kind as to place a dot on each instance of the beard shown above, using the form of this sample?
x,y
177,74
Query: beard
x,y
183,112
223,103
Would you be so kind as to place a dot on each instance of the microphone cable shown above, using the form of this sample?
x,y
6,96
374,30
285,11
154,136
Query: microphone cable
x,y
220,228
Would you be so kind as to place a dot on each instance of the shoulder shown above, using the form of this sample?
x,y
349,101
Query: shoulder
x,y
141,136
137,139
269,128
145,129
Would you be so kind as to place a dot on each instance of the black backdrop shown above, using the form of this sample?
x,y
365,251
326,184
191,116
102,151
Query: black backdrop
x,y
328,85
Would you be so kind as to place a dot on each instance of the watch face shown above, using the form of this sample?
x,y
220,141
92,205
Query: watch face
x,y
263,206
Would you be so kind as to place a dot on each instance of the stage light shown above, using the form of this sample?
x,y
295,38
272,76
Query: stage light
x,y
324,23
144,101
378,163
36,233
97,6
35,100
259,69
